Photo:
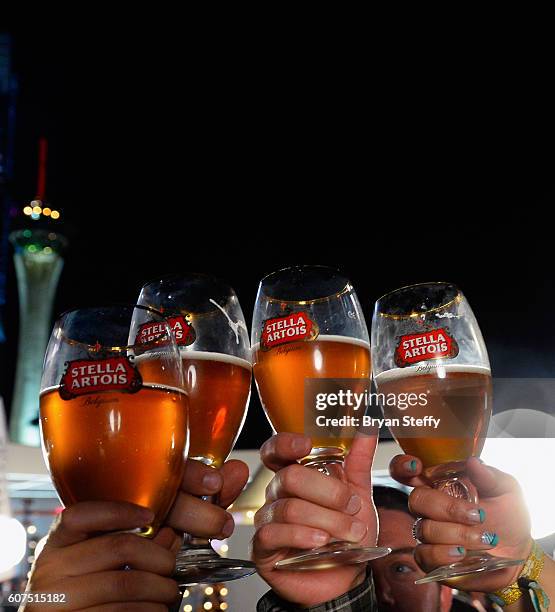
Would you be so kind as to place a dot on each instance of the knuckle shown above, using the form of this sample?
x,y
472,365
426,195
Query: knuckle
x,y
452,507
289,477
126,585
289,510
416,499
123,546
462,535
265,535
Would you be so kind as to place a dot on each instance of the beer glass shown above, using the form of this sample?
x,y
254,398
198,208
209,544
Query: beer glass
x,y
209,326
429,362
113,411
308,324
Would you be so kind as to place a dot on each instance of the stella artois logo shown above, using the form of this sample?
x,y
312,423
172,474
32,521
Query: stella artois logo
x,y
182,330
85,376
431,344
289,328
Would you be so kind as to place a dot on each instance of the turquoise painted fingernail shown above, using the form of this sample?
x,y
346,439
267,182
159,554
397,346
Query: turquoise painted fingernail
x,y
411,465
460,549
489,538
456,551
482,514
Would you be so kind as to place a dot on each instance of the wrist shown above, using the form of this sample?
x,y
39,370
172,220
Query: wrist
x,y
527,583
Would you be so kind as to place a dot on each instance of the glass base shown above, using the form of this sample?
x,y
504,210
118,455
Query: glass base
x,y
335,554
474,563
206,566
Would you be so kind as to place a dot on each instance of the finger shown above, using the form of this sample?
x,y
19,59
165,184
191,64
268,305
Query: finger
x,y
111,552
199,517
117,586
77,522
490,481
273,537
235,476
358,463
295,512
201,479
305,483
435,505
283,449
407,470
472,538
428,556
166,538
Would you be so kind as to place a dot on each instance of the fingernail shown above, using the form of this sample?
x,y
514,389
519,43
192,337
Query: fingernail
x,y
476,515
212,481
456,551
354,504
411,465
228,528
320,538
489,538
300,445
358,530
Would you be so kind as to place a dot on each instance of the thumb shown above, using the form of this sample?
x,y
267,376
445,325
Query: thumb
x,y
358,463
489,481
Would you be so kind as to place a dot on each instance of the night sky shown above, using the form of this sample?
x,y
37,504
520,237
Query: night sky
x,y
228,164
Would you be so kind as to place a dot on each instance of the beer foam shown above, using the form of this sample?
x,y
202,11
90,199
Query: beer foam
x,y
331,338
209,356
204,355
436,368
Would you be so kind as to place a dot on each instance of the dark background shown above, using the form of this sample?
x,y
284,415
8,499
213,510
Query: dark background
x,y
236,162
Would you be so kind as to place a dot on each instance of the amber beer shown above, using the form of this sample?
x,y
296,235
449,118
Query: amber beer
x,y
116,446
280,374
460,396
218,387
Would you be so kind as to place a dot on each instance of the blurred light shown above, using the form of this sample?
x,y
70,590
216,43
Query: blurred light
x,y
35,216
32,248
188,608
208,590
14,542
36,203
40,546
186,594
207,605
250,514
37,210
31,529
55,214
223,606
223,591
27,233
32,544
224,548
30,559
46,211
516,456
27,210
47,250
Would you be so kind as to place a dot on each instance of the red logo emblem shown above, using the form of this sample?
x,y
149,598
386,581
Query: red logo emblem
x,y
182,330
85,376
290,328
432,344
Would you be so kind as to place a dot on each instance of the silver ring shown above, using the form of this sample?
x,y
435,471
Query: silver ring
x,y
416,530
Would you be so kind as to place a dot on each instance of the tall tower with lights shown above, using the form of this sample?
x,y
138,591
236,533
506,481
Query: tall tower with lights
x,y
38,258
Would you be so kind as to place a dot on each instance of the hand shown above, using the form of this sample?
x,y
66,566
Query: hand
x,y
450,522
190,514
88,569
305,509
